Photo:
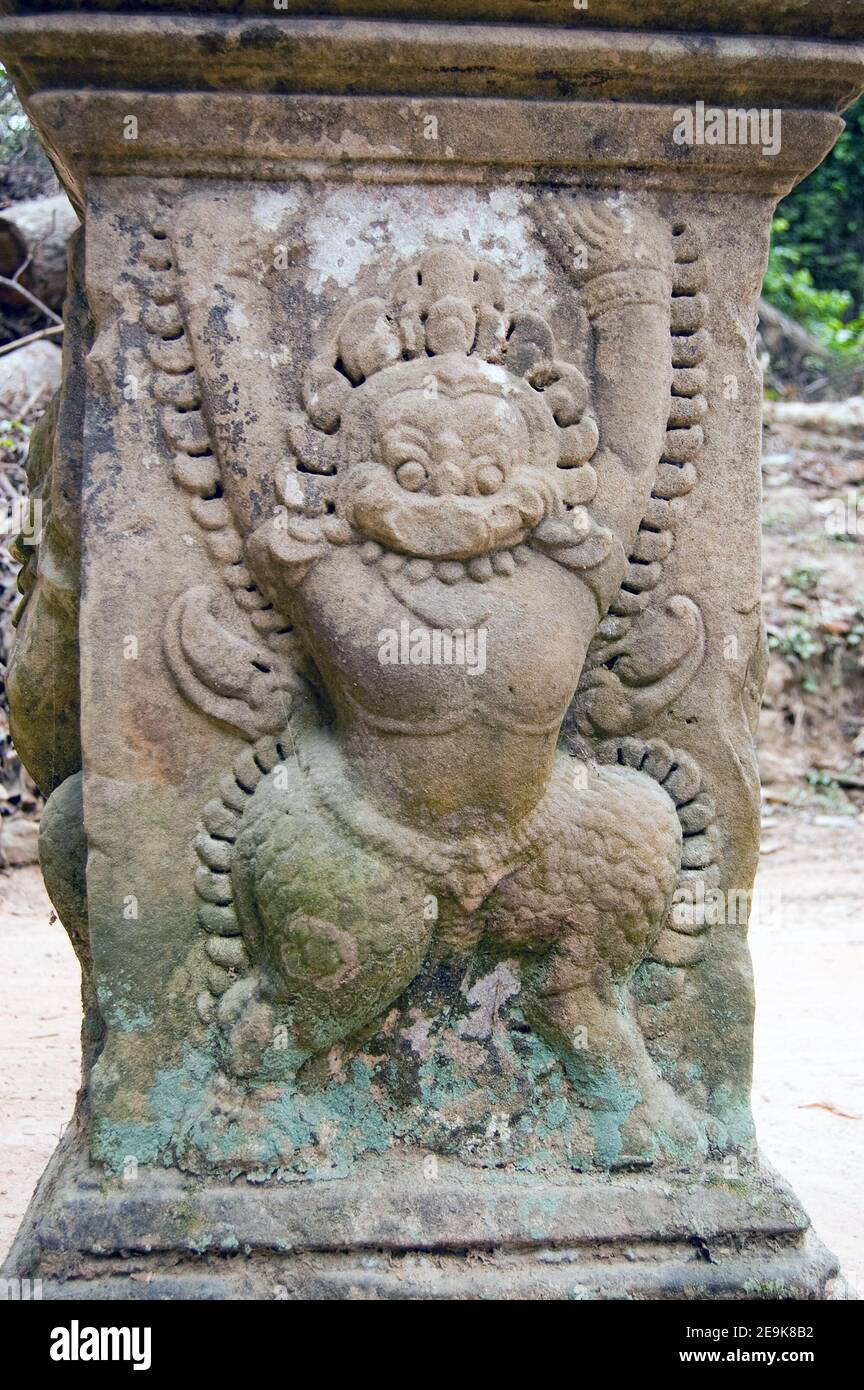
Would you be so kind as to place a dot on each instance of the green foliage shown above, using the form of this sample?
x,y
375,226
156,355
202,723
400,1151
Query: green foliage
x,y
14,438
804,578
796,640
816,266
827,789
826,314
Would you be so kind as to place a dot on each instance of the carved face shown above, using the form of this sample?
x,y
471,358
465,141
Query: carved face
x,y
450,474
451,448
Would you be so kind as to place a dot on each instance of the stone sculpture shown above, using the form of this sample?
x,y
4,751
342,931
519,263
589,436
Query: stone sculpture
x,y
406,442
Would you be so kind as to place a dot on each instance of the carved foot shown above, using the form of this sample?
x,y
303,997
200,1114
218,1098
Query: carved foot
x,y
591,903
636,1115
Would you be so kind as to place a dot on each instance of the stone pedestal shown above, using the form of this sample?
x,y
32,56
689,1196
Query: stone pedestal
x,y
392,651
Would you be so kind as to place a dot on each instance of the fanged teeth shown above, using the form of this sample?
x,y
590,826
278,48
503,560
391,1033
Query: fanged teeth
x,y
419,570
391,563
480,568
503,562
450,571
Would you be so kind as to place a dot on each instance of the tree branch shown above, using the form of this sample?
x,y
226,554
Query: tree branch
x,y
31,298
32,338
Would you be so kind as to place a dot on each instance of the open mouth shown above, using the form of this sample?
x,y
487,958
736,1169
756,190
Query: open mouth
x,y
445,528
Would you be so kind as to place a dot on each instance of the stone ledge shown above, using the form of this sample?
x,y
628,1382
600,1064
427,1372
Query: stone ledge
x,y
834,19
802,1274
233,135
468,1233
364,57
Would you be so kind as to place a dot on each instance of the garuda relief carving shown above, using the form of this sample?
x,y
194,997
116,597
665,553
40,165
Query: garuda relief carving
x,y
450,475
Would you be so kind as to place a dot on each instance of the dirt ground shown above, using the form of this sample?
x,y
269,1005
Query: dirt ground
x,y
808,948
40,1011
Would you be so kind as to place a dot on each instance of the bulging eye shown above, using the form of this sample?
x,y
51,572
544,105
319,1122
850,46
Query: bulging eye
x,y
489,479
411,475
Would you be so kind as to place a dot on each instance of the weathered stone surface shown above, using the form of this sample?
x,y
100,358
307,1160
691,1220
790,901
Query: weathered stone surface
x,y
420,651
838,19
423,1231
42,680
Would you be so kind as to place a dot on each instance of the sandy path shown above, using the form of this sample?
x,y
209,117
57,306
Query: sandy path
x,y
40,1012
807,939
808,948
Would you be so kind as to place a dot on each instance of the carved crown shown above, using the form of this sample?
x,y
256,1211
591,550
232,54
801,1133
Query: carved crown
x,y
446,305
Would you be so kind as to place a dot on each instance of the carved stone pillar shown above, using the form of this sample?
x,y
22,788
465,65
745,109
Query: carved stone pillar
x,y
404,509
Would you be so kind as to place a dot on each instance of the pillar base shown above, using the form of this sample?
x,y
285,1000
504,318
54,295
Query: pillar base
x,y
394,1232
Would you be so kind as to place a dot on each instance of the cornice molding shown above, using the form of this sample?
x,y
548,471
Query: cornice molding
x,y
231,135
375,57
827,19
273,97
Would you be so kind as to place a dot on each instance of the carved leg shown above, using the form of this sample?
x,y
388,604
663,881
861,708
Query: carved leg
x,y
590,905
334,930
636,1113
